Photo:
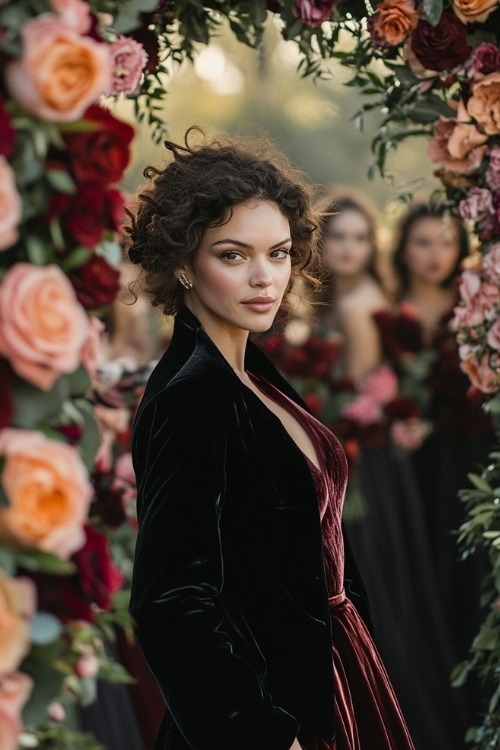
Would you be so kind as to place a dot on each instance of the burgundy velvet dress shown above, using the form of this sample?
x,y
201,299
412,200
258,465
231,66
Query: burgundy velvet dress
x,y
367,713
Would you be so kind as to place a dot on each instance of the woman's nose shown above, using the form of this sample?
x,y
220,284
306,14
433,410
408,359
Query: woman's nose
x,y
261,274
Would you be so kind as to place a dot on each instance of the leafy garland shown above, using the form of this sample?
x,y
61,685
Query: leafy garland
x,y
431,66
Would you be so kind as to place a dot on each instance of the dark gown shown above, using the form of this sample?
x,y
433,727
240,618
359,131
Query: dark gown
x,y
425,601
367,713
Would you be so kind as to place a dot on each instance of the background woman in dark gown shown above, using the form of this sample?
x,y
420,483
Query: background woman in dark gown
x,y
412,495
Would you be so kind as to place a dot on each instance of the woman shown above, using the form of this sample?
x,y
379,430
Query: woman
x,y
238,590
352,290
411,486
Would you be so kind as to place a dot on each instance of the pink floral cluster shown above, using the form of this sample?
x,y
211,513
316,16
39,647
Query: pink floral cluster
x,y
477,321
62,157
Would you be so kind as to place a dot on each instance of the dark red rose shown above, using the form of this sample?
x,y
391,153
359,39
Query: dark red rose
x,y
96,283
401,333
100,156
109,504
89,213
149,40
313,12
75,597
442,46
6,401
402,408
7,132
487,58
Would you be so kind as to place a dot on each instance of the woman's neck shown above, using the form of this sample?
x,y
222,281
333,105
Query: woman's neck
x,y
344,285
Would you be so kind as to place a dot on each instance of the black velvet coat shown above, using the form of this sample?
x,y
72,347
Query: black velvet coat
x,y
229,594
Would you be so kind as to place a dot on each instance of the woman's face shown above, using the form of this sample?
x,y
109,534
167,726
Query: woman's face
x,y
432,250
241,270
347,246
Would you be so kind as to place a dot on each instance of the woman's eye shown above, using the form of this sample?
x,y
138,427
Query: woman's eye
x,y
283,252
231,255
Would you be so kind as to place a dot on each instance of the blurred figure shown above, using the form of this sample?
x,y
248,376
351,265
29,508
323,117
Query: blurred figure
x,y
425,603
352,291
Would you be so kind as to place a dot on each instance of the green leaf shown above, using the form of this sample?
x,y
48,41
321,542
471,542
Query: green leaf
x,y
127,16
37,250
45,628
37,560
61,181
433,10
34,406
480,483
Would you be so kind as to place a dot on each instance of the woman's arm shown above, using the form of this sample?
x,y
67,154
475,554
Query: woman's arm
x,y
215,696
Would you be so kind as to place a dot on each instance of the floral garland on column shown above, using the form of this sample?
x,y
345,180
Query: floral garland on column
x,y
433,68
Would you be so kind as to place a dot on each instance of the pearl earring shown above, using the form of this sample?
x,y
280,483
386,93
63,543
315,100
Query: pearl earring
x,y
185,281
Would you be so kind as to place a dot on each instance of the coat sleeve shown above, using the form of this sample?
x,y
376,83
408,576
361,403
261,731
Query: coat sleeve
x,y
184,625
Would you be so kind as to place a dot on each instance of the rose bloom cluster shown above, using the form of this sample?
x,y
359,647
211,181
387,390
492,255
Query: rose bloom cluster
x,y
477,321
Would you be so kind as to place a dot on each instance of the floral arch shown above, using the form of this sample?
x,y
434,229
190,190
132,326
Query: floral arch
x,y
66,493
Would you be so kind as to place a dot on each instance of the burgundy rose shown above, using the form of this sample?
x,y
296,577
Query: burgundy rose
x,y
487,58
313,12
90,213
96,283
442,46
7,132
400,333
109,504
6,402
402,408
76,596
99,156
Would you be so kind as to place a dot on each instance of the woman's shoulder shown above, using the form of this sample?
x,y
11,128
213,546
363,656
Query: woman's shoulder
x,y
364,300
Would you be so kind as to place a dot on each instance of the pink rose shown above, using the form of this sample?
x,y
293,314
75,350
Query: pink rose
x,y
61,73
17,605
10,205
478,207
42,325
364,410
493,335
491,264
91,354
87,666
124,469
409,433
74,13
15,690
487,58
313,12
48,490
128,60
466,153
381,385
480,373
56,711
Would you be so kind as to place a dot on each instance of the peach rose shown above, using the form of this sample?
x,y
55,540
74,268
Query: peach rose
x,y
15,690
48,490
91,353
74,13
17,604
484,104
43,327
10,205
480,373
465,136
395,20
439,150
474,11
61,73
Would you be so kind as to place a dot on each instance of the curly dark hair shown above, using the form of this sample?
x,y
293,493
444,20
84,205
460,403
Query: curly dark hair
x,y
196,190
424,211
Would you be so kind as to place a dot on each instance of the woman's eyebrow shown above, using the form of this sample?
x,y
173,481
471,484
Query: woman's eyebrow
x,y
239,243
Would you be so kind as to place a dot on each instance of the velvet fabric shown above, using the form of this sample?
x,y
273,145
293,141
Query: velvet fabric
x,y
229,591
